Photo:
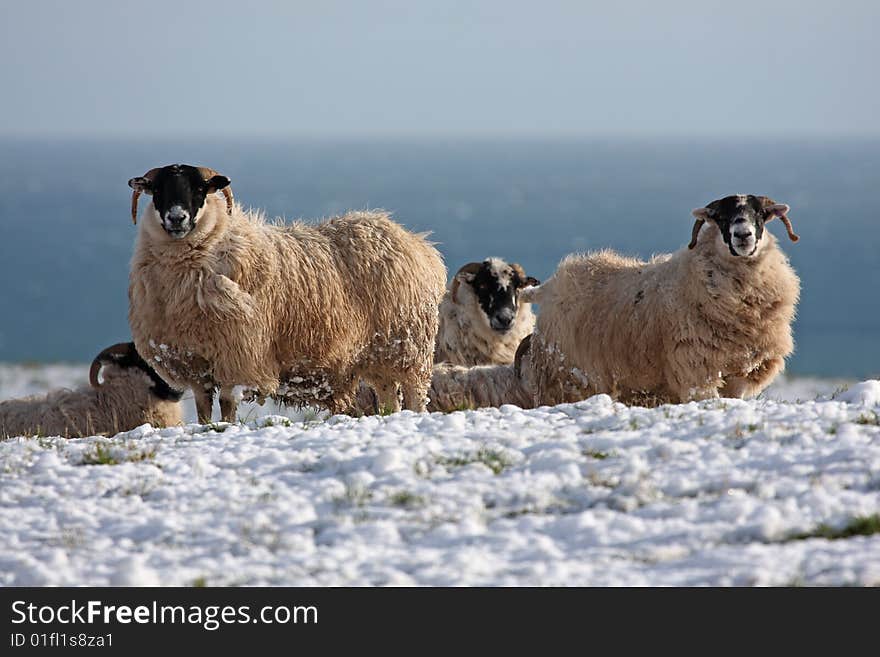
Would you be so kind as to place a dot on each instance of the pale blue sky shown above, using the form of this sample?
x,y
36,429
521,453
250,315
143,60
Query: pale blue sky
x,y
435,68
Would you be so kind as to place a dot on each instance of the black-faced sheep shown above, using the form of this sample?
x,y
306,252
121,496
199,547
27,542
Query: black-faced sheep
x,y
130,395
482,321
482,318
220,298
711,319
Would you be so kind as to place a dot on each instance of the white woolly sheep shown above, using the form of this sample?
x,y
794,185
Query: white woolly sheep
x,y
482,318
712,319
219,298
456,387
131,394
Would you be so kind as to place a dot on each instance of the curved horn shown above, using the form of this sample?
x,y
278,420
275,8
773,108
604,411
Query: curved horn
x,y
93,372
469,268
138,190
702,215
521,352
135,195
787,223
695,232
774,209
207,173
122,348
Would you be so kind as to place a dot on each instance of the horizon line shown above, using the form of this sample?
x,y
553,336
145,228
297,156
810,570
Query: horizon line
x,y
432,137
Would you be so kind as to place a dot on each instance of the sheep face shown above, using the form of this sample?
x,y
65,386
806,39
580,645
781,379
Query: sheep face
x,y
494,286
179,192
740,220
123,361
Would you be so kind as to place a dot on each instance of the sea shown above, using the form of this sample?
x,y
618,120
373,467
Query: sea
x,y
66,235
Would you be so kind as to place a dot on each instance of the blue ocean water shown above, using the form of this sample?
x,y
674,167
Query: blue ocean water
x,y
66,236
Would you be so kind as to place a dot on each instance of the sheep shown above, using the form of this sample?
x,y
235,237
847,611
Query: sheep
x,y
456,387
482,319
132,394
712,319
481,323
220,298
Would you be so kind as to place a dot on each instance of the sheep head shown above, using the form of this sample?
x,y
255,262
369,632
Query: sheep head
x,y
179,192
124,356
741,219
119,354
496,285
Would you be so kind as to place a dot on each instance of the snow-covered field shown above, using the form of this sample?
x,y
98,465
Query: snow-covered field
x,y
718,492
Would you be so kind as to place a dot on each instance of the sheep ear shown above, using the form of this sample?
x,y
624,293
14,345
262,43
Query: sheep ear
x,y
218,182
776,210
141,184
531,281
772,210
457,280
702,215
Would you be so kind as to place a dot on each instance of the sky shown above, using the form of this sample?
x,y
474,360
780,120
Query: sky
x,y
405,68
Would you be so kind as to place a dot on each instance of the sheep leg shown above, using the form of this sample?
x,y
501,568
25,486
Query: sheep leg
x,y
365,401
204,403
228,406
386,396
414,397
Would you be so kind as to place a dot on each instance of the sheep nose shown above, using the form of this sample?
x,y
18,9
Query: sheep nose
x,y
502,321
177,214
742,234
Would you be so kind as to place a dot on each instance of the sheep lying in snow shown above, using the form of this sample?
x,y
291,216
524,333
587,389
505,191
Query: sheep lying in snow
x,y
482,318
131,394
712,319
219,298
456,387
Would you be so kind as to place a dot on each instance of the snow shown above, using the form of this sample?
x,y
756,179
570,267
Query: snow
x,y
866,393
593,493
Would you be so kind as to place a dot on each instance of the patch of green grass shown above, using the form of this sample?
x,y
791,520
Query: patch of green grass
x,y
739,431
633,424
385,410
870,418
839,391
100,455
407,500
858,526
219,427
463,406
356,496
200,582
832,430
493,459
271,422
47,443
596,454
311,418
104,454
